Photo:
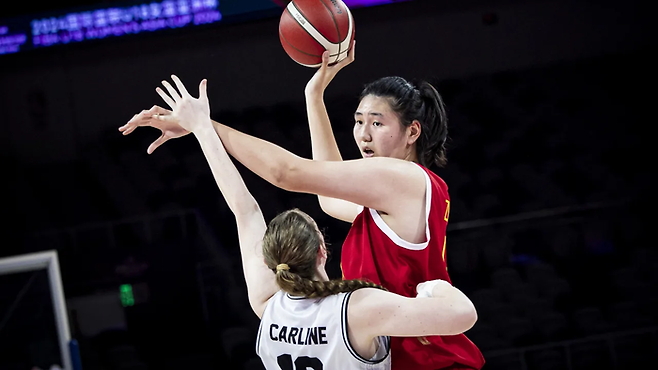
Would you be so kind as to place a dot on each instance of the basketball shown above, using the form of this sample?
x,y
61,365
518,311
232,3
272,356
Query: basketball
x,y
309,27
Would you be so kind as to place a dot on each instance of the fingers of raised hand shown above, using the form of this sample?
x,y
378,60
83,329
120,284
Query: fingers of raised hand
x,y
351,54
156,109
159,141
172,92
128,127
203,89
126,130
167,99
180,86
133,123
325,59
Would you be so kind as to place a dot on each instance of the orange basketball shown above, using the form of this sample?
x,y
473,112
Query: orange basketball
x,y
309,27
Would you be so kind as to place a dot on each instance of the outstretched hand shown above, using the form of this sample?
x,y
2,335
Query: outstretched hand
x,y
326,73
169,129
186,115
190,113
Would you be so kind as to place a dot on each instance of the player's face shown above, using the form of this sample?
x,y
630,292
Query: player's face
x,y
378,131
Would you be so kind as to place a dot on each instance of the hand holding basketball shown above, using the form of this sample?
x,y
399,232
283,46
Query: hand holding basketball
x,y
326,73
309,27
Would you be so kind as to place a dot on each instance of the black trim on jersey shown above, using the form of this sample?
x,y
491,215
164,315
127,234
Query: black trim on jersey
x,y
346,338
260,326
260,330
295,298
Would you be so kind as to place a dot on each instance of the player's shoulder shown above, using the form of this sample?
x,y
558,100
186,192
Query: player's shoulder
x,y
359,307
367,307
366,297
434,179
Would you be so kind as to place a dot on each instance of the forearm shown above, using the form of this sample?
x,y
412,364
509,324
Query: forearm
x,y
324,147
267,160
323,142
261,284
227,177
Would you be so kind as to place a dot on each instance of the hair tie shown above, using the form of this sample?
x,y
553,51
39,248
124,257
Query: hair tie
x,y
282,267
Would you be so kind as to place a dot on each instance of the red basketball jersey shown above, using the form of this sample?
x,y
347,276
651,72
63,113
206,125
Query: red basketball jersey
x,y
374,252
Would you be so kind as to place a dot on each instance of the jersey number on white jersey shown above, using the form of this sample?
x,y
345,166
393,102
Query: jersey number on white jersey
x,y
301,363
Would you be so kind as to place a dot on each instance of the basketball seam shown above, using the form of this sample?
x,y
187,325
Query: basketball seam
x,y
293,46
350,30
310,25
333,18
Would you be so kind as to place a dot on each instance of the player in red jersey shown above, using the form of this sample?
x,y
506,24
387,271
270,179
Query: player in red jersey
x,y
405,242
399,210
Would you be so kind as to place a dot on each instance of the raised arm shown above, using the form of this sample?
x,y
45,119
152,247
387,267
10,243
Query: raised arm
x,y
381,183
385,184
323,142
261,283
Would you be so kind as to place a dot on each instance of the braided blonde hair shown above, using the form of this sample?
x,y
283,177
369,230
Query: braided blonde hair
x,y
290,248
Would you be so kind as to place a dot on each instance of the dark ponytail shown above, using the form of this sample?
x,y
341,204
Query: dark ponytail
x,y
434,133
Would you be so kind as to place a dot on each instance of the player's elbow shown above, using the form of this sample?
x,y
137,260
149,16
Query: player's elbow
x,y
327,206
453,318
278,174
285,174
467,316
246,209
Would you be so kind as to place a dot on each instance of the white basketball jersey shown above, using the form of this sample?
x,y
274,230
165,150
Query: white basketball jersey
x,y
299,333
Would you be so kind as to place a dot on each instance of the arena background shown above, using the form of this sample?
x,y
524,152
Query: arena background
x,y
550,174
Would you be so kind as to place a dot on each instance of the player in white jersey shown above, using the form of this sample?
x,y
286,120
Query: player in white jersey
x,y
307,320
301,333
